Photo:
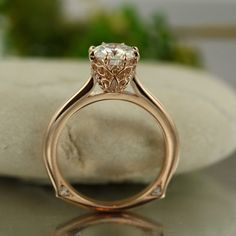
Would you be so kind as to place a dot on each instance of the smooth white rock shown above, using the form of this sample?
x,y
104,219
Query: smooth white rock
x,y
111,141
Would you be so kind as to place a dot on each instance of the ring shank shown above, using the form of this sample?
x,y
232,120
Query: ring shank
x,y
151,106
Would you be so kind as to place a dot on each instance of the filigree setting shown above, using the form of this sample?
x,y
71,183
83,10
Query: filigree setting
x,y
113,65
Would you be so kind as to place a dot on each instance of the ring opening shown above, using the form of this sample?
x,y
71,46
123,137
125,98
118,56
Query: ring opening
x,y
111,150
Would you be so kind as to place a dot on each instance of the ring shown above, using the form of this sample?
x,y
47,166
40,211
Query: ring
x,y
113,68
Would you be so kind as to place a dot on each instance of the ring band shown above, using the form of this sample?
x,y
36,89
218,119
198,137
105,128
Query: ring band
x,y
113,67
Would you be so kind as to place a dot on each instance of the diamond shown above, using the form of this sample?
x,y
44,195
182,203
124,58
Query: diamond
x,y
157,191
115,53
64,191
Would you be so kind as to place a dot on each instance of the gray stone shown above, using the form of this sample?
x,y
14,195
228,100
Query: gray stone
x,y
111,141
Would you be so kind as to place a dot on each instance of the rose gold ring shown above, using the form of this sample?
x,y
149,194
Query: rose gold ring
x,y
113,67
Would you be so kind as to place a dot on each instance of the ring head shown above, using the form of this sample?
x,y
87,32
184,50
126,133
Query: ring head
x,y
113,65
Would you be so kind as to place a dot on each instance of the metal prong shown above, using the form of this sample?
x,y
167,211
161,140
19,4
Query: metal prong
x,y
91,52
136,52
91,48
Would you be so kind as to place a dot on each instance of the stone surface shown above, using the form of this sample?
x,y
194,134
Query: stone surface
x,y
111,141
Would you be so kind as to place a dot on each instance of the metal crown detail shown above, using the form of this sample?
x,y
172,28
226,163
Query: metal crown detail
x,y
113,65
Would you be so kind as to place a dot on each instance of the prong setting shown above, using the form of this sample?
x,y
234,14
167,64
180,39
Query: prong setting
x,y
117,62
136,52
91,53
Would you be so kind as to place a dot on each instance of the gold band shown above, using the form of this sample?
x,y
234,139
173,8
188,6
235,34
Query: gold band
x,y
83,98
113,68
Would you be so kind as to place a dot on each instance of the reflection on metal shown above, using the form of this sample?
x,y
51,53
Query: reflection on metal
x,y
76,226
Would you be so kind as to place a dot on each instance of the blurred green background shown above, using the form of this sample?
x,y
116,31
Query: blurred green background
x,y
33,28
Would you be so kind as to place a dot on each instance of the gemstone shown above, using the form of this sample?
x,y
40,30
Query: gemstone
x,y
114,53
157,191
64,191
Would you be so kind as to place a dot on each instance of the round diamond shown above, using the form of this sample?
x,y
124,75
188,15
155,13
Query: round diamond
x,y
114,53
157,191
64,191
